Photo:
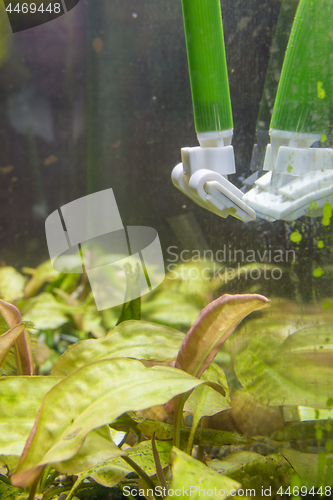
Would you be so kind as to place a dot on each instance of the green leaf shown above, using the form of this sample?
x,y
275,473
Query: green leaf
x,y
92,322
234,461
189,475
214,325
111,472
9,492
11,284
143,456
133,339
23,353
45,272
304,431
306,465
284,377
204,401
97,448
193,279
46,312
281,320
172,309
255,471
10,462
132,306
203,437
20,399
89,398
313,340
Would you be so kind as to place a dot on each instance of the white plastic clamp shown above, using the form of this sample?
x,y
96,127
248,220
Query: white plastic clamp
x,y
299,181
201,176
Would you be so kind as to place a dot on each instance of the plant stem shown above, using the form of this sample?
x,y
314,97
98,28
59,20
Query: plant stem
x,y
55,491
33,489
201,448
179,406
50,480
191,438
75,487
149,482
42,483
158,465
5,479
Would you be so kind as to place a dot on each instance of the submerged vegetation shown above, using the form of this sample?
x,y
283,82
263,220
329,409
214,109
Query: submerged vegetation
x,y
124,402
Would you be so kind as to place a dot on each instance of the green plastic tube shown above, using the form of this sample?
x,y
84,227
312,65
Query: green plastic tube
x,y
304,97
207,65
278,50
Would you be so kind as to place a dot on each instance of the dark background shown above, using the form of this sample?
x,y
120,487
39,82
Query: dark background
x,y
101,98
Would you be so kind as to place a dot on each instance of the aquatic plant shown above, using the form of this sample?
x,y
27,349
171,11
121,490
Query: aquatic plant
x,y
58,432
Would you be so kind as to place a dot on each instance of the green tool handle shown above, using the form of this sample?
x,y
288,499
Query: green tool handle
x,y
207,65
304,99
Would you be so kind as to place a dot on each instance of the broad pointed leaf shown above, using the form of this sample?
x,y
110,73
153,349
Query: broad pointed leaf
x,y
214,325
20,399
133,339
97,448
287,377
111,472
234,462
46,312
172,308
89,398
23,346
315,343
255,472
11,284
9,492
190,475
307,466
204,401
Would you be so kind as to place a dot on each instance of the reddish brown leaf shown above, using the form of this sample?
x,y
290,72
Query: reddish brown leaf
x,y
215,324
22,345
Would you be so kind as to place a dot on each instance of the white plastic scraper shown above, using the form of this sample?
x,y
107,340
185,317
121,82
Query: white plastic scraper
x,y
202,173
201,176
299,179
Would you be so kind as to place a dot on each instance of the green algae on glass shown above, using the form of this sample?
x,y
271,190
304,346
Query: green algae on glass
x,y
320,244
318,272
207,65
327,214
304,96
295,237
326,304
